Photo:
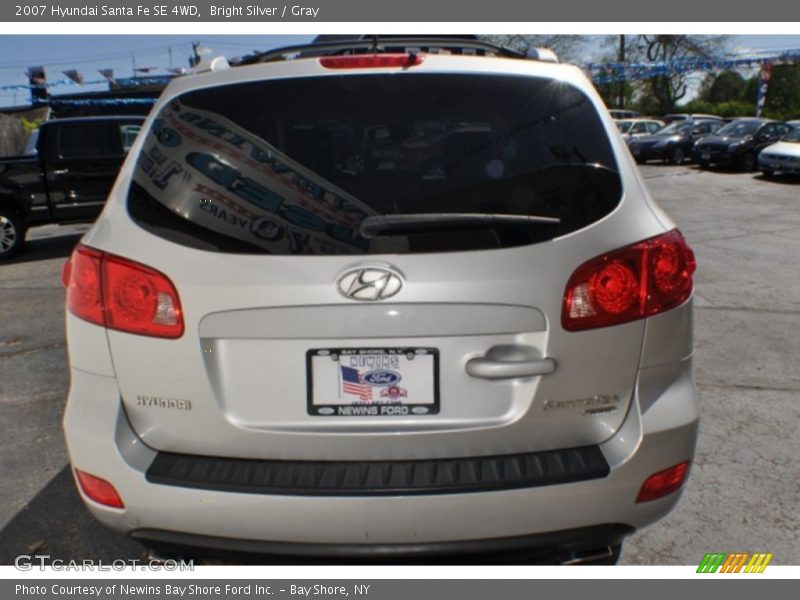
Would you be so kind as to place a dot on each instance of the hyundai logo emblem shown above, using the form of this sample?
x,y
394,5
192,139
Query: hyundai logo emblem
x,y
369,283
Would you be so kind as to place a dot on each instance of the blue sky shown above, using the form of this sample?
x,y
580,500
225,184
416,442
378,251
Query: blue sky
x,y
88,53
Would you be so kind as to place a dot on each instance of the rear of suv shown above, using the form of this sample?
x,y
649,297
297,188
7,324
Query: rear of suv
x,y
381,301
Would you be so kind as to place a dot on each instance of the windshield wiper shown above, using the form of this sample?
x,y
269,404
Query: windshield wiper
x,y
410,223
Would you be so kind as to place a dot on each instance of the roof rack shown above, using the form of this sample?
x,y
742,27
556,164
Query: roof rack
x,y
411,44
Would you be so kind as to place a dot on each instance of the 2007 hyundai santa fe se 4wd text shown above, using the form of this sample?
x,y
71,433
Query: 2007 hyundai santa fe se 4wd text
x,y
374,303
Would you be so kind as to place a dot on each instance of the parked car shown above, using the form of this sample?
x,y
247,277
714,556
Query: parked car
x,y
794,123
674,142
739,142
636,128
278,344
64,177
618,113
689,117
782,156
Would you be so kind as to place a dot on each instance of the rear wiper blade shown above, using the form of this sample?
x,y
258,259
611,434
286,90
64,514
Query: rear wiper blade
x,y
409,223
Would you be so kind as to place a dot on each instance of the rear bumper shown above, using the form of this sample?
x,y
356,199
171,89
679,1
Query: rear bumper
x,y
570,545
782,165
720,158
645,153
659,431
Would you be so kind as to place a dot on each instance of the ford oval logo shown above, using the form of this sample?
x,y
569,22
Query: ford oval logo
x,y
369,283
382,378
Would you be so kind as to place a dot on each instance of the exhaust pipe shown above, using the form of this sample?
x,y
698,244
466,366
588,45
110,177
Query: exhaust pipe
x,y
592,557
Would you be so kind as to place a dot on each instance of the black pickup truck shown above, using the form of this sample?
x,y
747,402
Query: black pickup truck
x,y
66,178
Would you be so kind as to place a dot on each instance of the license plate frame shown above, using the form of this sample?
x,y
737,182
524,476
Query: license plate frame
x,y
380,406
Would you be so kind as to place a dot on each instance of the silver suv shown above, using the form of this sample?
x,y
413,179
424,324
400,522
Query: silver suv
x,y
381,300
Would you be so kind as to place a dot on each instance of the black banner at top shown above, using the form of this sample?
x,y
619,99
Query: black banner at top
x,y
474,11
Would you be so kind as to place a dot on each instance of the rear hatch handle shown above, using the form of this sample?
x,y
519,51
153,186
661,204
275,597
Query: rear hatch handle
x,y
510,362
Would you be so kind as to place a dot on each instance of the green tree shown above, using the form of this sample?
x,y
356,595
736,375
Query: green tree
x,y
734,108
750,93
728,86
783,92
646,103
662,92
610,93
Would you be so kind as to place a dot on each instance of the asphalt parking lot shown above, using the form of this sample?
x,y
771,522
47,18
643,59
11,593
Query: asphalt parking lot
x,y
744,491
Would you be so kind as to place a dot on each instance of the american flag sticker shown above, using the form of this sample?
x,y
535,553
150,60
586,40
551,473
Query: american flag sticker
x,y
352,384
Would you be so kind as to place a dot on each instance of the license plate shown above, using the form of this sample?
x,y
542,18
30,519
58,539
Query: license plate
x,y
705,156
372,382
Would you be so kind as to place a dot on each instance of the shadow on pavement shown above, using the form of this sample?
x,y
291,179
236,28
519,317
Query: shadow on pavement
x,y
784,179
45,248
55,522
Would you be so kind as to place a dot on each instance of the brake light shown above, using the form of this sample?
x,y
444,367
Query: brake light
x,y
121,294
66,272
640,280
369,61
84,298
664,482
98,490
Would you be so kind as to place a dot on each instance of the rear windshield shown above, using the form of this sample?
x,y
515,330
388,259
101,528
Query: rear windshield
x,y
678,127
739,129
294,166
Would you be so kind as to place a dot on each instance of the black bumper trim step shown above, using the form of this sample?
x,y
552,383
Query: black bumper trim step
x,y
379,478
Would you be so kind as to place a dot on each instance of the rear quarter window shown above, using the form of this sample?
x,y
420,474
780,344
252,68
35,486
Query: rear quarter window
x,y
294,166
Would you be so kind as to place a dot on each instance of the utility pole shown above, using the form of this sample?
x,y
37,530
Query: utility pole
x,y
621,60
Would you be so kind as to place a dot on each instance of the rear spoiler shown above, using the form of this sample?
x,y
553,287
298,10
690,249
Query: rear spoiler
x,y
411,44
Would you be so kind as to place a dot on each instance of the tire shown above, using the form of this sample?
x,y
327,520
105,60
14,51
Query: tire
x,y
748,162
12,234
677,156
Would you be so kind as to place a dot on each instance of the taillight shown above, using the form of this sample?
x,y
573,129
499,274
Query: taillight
x,y
66,272
663,483
84,296
630,283
370,61
98,490
121,294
